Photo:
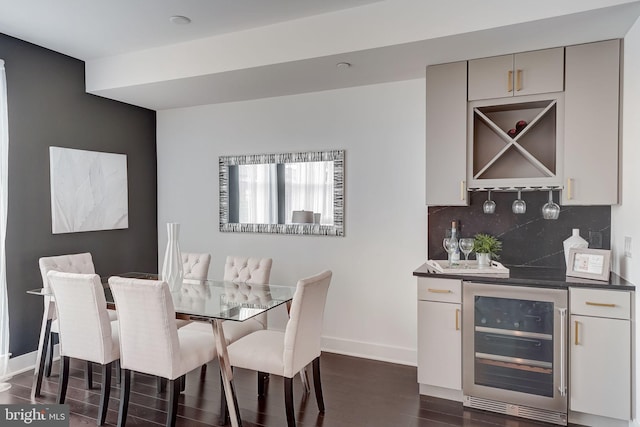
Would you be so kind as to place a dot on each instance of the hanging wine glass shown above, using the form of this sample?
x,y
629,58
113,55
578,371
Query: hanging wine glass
x,y
489,206
519,206
550,210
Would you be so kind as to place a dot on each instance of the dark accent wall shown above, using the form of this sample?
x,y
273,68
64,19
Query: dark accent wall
x,y
48,106
527,239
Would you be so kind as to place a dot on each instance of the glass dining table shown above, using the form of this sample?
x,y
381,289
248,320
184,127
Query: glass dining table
x,y
208,301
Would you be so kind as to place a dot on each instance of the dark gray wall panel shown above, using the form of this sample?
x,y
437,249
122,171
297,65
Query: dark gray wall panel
x,y
48,106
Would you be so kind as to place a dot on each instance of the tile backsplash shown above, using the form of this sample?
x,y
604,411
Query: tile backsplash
x,y
527,239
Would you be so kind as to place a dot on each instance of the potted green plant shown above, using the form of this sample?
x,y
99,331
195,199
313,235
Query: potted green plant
x,y
486,247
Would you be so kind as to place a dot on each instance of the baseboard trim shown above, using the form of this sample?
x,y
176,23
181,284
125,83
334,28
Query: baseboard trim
x,y
368,350
27,362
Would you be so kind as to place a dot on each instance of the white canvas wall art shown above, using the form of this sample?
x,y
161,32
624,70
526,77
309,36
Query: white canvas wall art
x,y
88,190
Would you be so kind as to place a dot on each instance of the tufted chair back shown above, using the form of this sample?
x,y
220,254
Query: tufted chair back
x,y
76,263
148,333
86,332
247,270
195,266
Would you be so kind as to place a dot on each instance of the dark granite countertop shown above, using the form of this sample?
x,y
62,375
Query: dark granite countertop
x,y
541,277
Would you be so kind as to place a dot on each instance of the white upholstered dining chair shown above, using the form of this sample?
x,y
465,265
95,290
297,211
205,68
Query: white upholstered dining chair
x,y
85,330
74,263
241,270
287,353
195,265
150,341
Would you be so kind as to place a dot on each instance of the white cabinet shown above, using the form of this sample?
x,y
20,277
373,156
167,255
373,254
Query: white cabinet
x,y
439,333
600,353
446,134
519,74
591,124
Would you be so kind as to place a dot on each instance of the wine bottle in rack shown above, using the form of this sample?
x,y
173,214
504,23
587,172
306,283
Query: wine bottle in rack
x,y
521,125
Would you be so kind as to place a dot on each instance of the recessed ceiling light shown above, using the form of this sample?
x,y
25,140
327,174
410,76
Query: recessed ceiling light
x,y
179,20
343,65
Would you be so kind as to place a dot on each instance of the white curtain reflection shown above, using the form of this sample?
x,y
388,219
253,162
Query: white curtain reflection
x,y
4,176
258,198
309,187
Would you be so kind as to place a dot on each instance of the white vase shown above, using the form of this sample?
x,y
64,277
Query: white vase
x,y
484,260
172,270
574,241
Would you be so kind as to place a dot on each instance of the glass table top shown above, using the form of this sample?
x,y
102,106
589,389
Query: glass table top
x,y
211,298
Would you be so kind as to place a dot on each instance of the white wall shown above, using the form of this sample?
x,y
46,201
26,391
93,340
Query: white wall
x,y
624,218
371,308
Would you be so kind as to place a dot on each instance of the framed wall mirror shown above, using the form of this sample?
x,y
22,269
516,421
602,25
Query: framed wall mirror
x,y
285,193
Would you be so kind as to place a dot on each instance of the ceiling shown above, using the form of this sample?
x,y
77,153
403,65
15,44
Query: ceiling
x,y
91,30
88,29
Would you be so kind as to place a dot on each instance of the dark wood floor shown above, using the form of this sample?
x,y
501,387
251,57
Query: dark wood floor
x,y
357,392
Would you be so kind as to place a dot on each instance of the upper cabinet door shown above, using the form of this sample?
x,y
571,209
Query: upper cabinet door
x,y
539,71
446,134
491,77
527,73
592,100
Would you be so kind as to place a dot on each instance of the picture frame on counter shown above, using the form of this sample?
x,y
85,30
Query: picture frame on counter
x,y
589,263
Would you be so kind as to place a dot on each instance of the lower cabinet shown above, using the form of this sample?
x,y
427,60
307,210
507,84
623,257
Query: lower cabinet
x,y
600,350
440,333
600,353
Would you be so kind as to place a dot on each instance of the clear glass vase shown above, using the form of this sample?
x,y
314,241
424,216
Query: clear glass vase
x,y
172,270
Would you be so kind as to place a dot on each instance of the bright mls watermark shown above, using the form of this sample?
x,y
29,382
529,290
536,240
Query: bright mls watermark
x,y
34,415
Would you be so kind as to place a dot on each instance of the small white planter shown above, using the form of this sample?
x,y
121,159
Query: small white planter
x,y
484,260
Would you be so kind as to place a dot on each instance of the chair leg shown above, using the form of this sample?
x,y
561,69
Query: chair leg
x,y
172,410
288,402
203,371
64,379
104,395
125,389
88,378
317,384
49,361
263,377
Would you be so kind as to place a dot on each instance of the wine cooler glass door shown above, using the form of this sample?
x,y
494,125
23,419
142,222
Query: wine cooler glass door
x,y
515,345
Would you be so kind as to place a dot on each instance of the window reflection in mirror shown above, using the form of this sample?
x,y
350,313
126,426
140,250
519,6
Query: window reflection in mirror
x,y
294,193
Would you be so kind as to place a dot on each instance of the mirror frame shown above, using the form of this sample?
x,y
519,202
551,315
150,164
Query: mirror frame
x,y
337,229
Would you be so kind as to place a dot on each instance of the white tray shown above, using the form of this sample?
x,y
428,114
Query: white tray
x,y
442,266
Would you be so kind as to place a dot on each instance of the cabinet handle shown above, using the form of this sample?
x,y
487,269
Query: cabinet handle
x,y
600,304
563,351
569,188
510,81
575,332
462,190
457,319
439,291
519,80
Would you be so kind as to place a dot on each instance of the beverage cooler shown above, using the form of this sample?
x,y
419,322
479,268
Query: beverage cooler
x,y
514,351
